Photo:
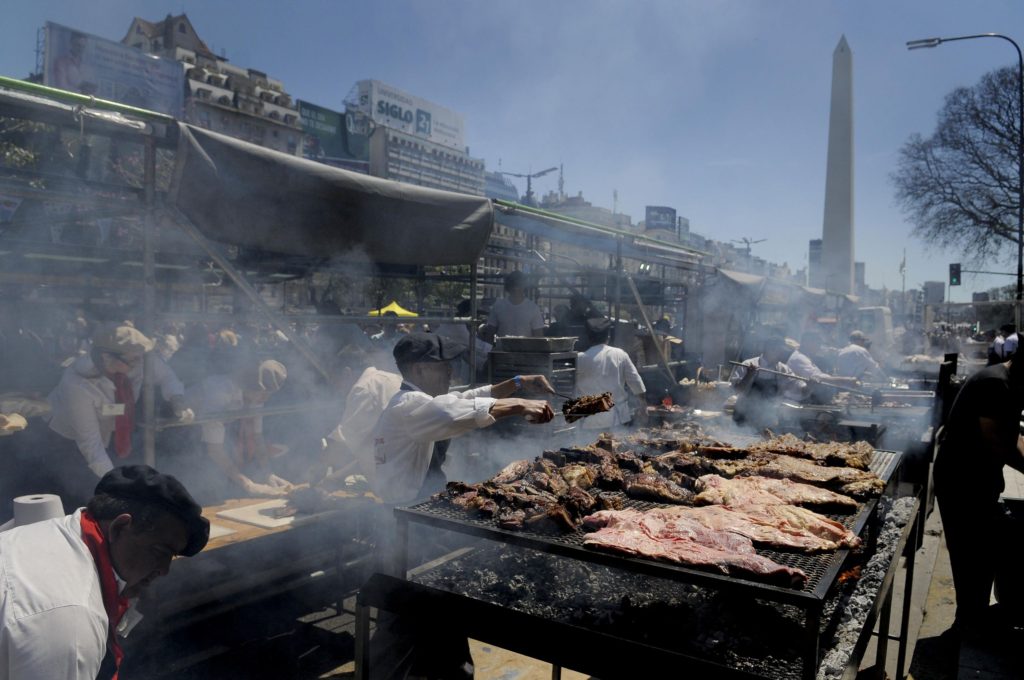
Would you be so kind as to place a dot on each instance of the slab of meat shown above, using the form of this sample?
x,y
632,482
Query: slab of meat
x,y
777,526
581,476
743,491
661,535
511,472
654,487
587,405
849,481
856,455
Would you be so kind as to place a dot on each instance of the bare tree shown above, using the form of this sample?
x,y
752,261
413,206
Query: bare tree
x,y
959,186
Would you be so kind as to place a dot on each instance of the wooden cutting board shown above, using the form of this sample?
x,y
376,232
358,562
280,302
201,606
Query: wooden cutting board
x,y
261,515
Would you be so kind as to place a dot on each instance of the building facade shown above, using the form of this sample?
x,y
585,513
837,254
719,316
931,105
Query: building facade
x,y
413,140
240,102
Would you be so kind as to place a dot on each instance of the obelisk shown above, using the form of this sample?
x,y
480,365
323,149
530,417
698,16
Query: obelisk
x,y
837,228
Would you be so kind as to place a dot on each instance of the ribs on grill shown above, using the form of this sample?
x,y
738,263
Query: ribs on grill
x,y
662,535
743,491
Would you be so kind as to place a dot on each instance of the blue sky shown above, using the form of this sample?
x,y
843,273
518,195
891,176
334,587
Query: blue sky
x,y
716,107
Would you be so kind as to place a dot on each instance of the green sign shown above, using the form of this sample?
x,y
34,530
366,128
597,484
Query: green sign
x,y
327,137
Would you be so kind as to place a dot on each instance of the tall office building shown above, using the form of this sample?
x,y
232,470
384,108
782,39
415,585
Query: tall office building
x,y
837,228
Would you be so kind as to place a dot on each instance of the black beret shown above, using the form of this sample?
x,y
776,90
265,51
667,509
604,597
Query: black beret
x,y
143,484
422,347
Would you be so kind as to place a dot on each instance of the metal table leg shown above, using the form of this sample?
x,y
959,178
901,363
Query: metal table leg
x,y
362,659
883,635
556,672
908,591
401,556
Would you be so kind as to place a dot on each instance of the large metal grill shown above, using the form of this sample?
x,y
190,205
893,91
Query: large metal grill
x,y
821,569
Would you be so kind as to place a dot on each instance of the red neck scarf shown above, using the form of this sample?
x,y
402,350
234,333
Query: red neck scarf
x,y
123,425
245,441
115,604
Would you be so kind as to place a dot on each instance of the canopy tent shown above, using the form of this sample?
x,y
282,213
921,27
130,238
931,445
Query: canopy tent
x,y
247,195
393,306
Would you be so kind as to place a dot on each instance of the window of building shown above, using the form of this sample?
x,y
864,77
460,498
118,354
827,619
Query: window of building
x,y
292,144
181,27
204,119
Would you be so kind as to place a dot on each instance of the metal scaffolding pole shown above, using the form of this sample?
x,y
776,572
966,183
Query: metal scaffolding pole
x,y
149,304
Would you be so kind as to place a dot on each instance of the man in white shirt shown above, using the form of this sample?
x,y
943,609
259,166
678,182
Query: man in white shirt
x,y
757,392
424,413
1006,342
410,441
607,369
352,439
855,361
67,585
801,364
94,405
514,315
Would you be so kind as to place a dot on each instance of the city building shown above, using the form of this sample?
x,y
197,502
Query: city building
x,y
413,140
934,292
236,101
815,271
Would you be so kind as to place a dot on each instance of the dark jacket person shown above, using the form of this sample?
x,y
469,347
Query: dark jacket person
x,y
981,435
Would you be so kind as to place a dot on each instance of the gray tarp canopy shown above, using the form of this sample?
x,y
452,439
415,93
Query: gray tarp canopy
x,y
240,193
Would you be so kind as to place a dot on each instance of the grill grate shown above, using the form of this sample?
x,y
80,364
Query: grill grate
x,y
821,569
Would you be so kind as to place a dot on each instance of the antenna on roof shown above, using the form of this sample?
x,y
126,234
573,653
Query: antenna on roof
x,y
615,201
561,182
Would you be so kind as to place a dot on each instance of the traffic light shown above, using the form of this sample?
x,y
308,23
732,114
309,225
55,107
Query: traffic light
x,y
954,274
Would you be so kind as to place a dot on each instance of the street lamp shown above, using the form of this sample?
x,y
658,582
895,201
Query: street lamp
x,y
528,199
935,42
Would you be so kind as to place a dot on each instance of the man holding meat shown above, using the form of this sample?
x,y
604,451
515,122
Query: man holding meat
x,y
981,435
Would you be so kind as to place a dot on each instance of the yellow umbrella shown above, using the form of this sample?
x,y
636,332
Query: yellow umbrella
x,y
393,306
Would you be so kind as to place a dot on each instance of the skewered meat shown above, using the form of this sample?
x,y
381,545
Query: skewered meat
x,y
587,405
744,491
656,488
511,472
658,534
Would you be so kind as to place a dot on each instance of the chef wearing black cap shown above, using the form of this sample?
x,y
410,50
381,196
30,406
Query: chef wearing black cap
x,y
414,428
67,584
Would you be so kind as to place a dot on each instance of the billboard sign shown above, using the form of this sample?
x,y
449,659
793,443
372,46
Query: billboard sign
x,y
660,217
390,107
86,64
330,137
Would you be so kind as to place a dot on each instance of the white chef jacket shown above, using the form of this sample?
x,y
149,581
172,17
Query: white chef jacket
x,y
52,621
1010,345
854,361
603,368
80,406
788,388
365,403
406,431
801,364
509,319
217,394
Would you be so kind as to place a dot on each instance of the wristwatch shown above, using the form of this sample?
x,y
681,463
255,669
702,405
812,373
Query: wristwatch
x,y
517,380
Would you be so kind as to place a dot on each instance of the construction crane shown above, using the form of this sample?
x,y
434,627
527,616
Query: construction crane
x,y
748,242
528,198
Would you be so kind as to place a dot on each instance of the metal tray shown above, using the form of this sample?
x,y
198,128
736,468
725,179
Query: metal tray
x,y
517,343
821,569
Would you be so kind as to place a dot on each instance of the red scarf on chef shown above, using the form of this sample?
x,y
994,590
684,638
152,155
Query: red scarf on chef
x,y
115,604
123,425
245,440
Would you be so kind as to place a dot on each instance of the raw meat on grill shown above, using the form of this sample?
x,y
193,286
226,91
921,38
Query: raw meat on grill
x,y
743,491
587,405
658,534
855,455
656,488
777,526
